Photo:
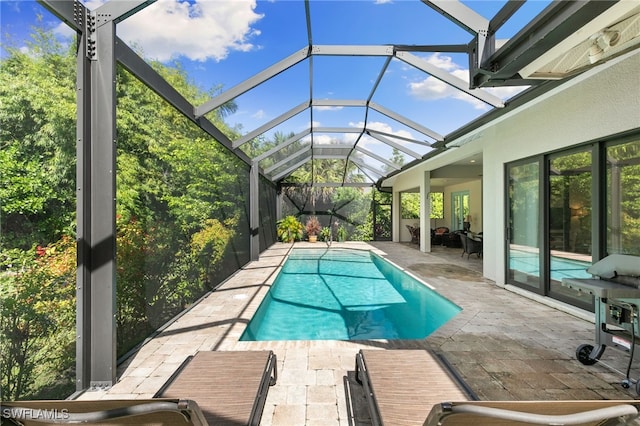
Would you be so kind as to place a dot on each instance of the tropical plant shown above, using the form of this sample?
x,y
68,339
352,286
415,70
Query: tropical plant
x,y
289,229
37,295
176,188
313,226
341,233
325,234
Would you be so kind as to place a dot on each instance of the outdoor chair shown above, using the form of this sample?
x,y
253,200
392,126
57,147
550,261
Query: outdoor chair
x,y
470,245
209,388
151,412
505,413
401,386
415,387
230,386
437,237
415,233
452,239
463,241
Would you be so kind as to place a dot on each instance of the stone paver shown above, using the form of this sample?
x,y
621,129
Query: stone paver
x,y
505,346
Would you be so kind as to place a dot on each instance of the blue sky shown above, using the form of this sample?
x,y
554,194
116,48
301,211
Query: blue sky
x,y
223,42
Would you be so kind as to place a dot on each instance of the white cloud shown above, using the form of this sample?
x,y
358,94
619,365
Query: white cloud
x,y
327,108
260,114
433,89
198,30
380,126
323,139
443,62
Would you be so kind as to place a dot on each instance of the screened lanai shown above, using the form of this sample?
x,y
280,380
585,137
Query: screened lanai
x,y
412,84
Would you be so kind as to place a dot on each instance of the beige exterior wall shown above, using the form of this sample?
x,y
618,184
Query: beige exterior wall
x,y
593,107
602,102
475,206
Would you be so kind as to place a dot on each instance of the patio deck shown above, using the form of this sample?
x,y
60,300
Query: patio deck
x,y
504,345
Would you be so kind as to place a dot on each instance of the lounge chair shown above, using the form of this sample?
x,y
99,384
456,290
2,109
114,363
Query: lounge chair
x,y
413,387
150,412
209,388
401,386
509,413
231,387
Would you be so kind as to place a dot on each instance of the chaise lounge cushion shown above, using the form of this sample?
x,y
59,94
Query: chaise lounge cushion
x,y
229,386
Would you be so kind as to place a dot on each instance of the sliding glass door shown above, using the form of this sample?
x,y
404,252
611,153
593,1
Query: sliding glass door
x,y
570,183
623,198
460,206
566,210
523,218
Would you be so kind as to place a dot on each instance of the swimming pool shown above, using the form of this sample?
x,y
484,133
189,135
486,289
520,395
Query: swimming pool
x,y
529,263
346,294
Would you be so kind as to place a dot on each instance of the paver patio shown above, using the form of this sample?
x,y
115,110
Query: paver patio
x,y
504,345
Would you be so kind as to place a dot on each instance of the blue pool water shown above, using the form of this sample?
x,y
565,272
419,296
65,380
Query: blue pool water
x,y
560,267
338,294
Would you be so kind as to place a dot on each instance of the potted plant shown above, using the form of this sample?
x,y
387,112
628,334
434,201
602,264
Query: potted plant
x,y
325,234
313,228
289,229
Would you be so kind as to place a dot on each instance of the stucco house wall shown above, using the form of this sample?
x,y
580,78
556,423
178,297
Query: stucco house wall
x,y
598,104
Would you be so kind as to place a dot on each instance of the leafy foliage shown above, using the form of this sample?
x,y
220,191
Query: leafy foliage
x,y
176,189
37,142
312,226
410,205
289,229
209,246
37,295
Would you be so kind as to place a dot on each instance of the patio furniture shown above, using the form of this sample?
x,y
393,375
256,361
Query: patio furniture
x,y
615,287
471,245
437,237
157,412
452,239
415,233
499,413
414,387
230,386
401,386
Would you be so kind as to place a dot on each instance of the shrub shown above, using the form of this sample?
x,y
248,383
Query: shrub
x,y
313,226
289,229
37,325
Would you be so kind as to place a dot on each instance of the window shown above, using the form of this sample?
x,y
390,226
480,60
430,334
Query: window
x,y
437,205
410,205
523,216
460,206
584,205
569,232
623,198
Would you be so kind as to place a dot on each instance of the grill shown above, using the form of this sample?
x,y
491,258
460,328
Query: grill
x,y
616,291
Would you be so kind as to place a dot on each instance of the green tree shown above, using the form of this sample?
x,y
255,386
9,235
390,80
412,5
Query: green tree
x,y
410,205
397,158
176,189
37,295
37,143
437,205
